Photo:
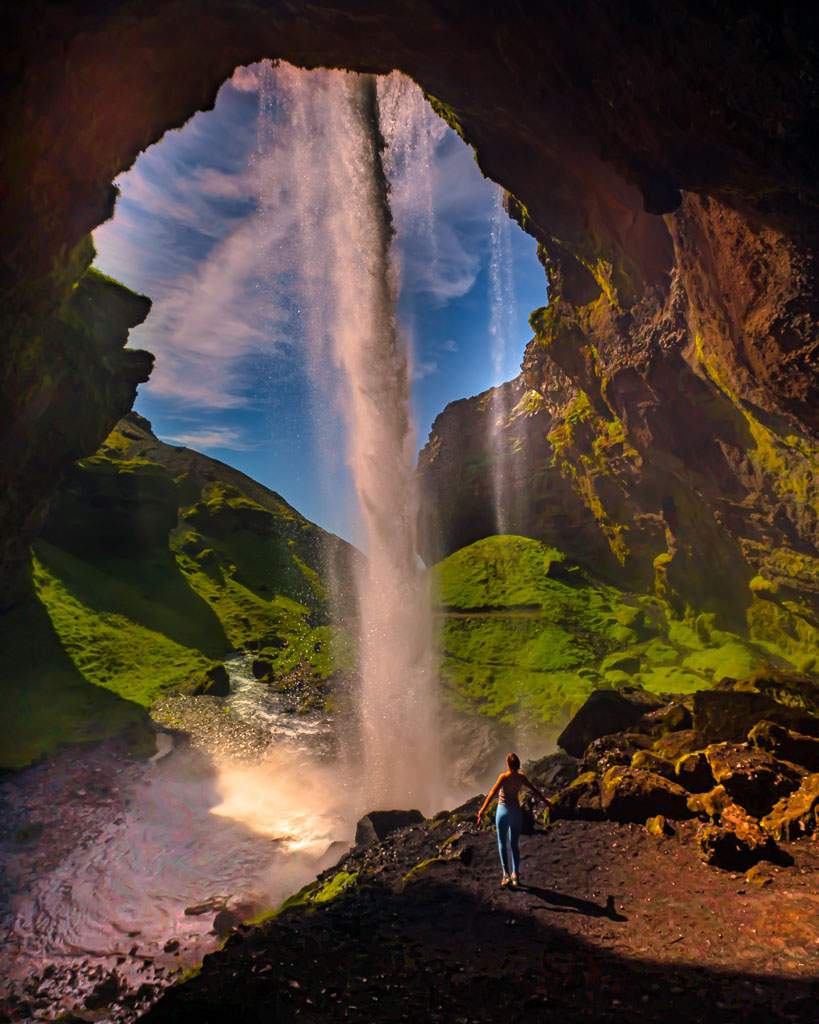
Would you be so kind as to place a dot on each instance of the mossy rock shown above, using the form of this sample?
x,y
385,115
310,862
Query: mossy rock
x,y
647,760
737,843
709,805
796,814
730,714
693,772
622,662
753,778
628,794
786,744
580,800
673,745
733,660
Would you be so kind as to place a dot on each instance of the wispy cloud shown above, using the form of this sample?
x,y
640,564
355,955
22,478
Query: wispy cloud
x,y
227,438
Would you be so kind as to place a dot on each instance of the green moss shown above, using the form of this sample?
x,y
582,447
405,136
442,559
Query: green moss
x,y
423,866
734,660
446,113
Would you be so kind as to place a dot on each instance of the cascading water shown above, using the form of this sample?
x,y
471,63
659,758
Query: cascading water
x,y
340,192
501,298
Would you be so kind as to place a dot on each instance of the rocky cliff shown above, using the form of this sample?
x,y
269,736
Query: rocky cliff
x,y
663,154
152,563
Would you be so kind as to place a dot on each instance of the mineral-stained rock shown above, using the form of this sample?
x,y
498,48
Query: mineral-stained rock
x,y
675,744
729,715
658,826
753,778
709,805
737,843
580,800
796,814
786,744
694,772
607,751
605,712
671,718
377,825
648,761
631,795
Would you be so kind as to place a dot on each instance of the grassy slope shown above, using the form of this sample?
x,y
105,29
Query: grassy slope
x,y
157,561
524,633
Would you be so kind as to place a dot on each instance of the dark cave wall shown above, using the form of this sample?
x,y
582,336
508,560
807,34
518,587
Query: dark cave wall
x,y
661,153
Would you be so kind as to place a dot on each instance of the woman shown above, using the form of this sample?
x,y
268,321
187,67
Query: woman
x,y
509,815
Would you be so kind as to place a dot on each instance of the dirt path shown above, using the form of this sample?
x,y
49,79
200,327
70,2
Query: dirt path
x,y
613,924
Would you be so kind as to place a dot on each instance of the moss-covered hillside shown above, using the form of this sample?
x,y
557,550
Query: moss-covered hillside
x,y
154,562
526,635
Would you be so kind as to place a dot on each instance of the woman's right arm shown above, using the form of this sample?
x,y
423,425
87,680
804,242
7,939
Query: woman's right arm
x,y
489,797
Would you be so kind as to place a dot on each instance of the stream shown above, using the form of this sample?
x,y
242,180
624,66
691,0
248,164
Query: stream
x,y
113,868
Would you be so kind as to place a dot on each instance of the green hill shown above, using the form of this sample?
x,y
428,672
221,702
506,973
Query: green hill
x,y
155,561
526,634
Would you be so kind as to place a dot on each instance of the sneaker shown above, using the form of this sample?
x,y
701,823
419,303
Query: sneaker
x,y
513,881
505,881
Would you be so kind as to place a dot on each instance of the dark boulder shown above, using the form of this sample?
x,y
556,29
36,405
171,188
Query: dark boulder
x,y
579,801
261,668
607,751
786,744
628,794
605,712
648,761
377,825
675,744
553,772
214,682
754,779
694,772
729,715
670,718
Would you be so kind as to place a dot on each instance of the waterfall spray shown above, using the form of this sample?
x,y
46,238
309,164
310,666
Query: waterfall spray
x,y
501,292
340,195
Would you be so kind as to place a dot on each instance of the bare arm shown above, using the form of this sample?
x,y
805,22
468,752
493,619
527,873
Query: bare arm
x,y
527,782
490,797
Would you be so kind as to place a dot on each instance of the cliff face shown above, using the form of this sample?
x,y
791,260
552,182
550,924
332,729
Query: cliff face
x,y
152,562
662,154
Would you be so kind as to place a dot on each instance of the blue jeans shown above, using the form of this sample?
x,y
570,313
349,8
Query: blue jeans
x,y
508,821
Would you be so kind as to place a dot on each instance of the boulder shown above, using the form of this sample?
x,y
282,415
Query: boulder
x,y
693,772
658,826
786,744
796,814
754,779
647,760
554,771
729,715
709,805
377,825
673,745
737,843
214,682
261,668
786,688
670,718
607,751
579,801
628,794
605,712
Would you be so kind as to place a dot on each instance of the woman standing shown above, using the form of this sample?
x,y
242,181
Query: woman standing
x,y
509,816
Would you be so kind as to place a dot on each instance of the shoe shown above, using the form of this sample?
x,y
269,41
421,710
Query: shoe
x,y
513,881
505,881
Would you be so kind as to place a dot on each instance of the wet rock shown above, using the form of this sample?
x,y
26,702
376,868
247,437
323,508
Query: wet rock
x,y
215,682
737,843
607,751
796,814
605,712
694,772
554,771
786,688
260,668
377,825
786,744
631,795
580,800
753,778
658,826
671,718
673,745
729,715
649,761
171,946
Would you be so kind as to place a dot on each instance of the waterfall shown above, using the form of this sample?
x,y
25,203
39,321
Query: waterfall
x,y
332,153
501,298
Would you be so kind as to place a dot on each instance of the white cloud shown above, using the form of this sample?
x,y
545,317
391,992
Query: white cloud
x,y
228,438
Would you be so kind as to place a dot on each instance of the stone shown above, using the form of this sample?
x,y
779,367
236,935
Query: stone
x,y
171,946
709,805
579,801
694,772
786,744
647,760
105,992
628,794
607,751
658,826
757,875
261,668
729,715
673,745
753,778
671,718
605,712
226,921
377,825
737,843
797,814
554,771
215,682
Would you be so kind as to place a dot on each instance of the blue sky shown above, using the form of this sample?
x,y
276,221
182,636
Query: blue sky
x,y
231,377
